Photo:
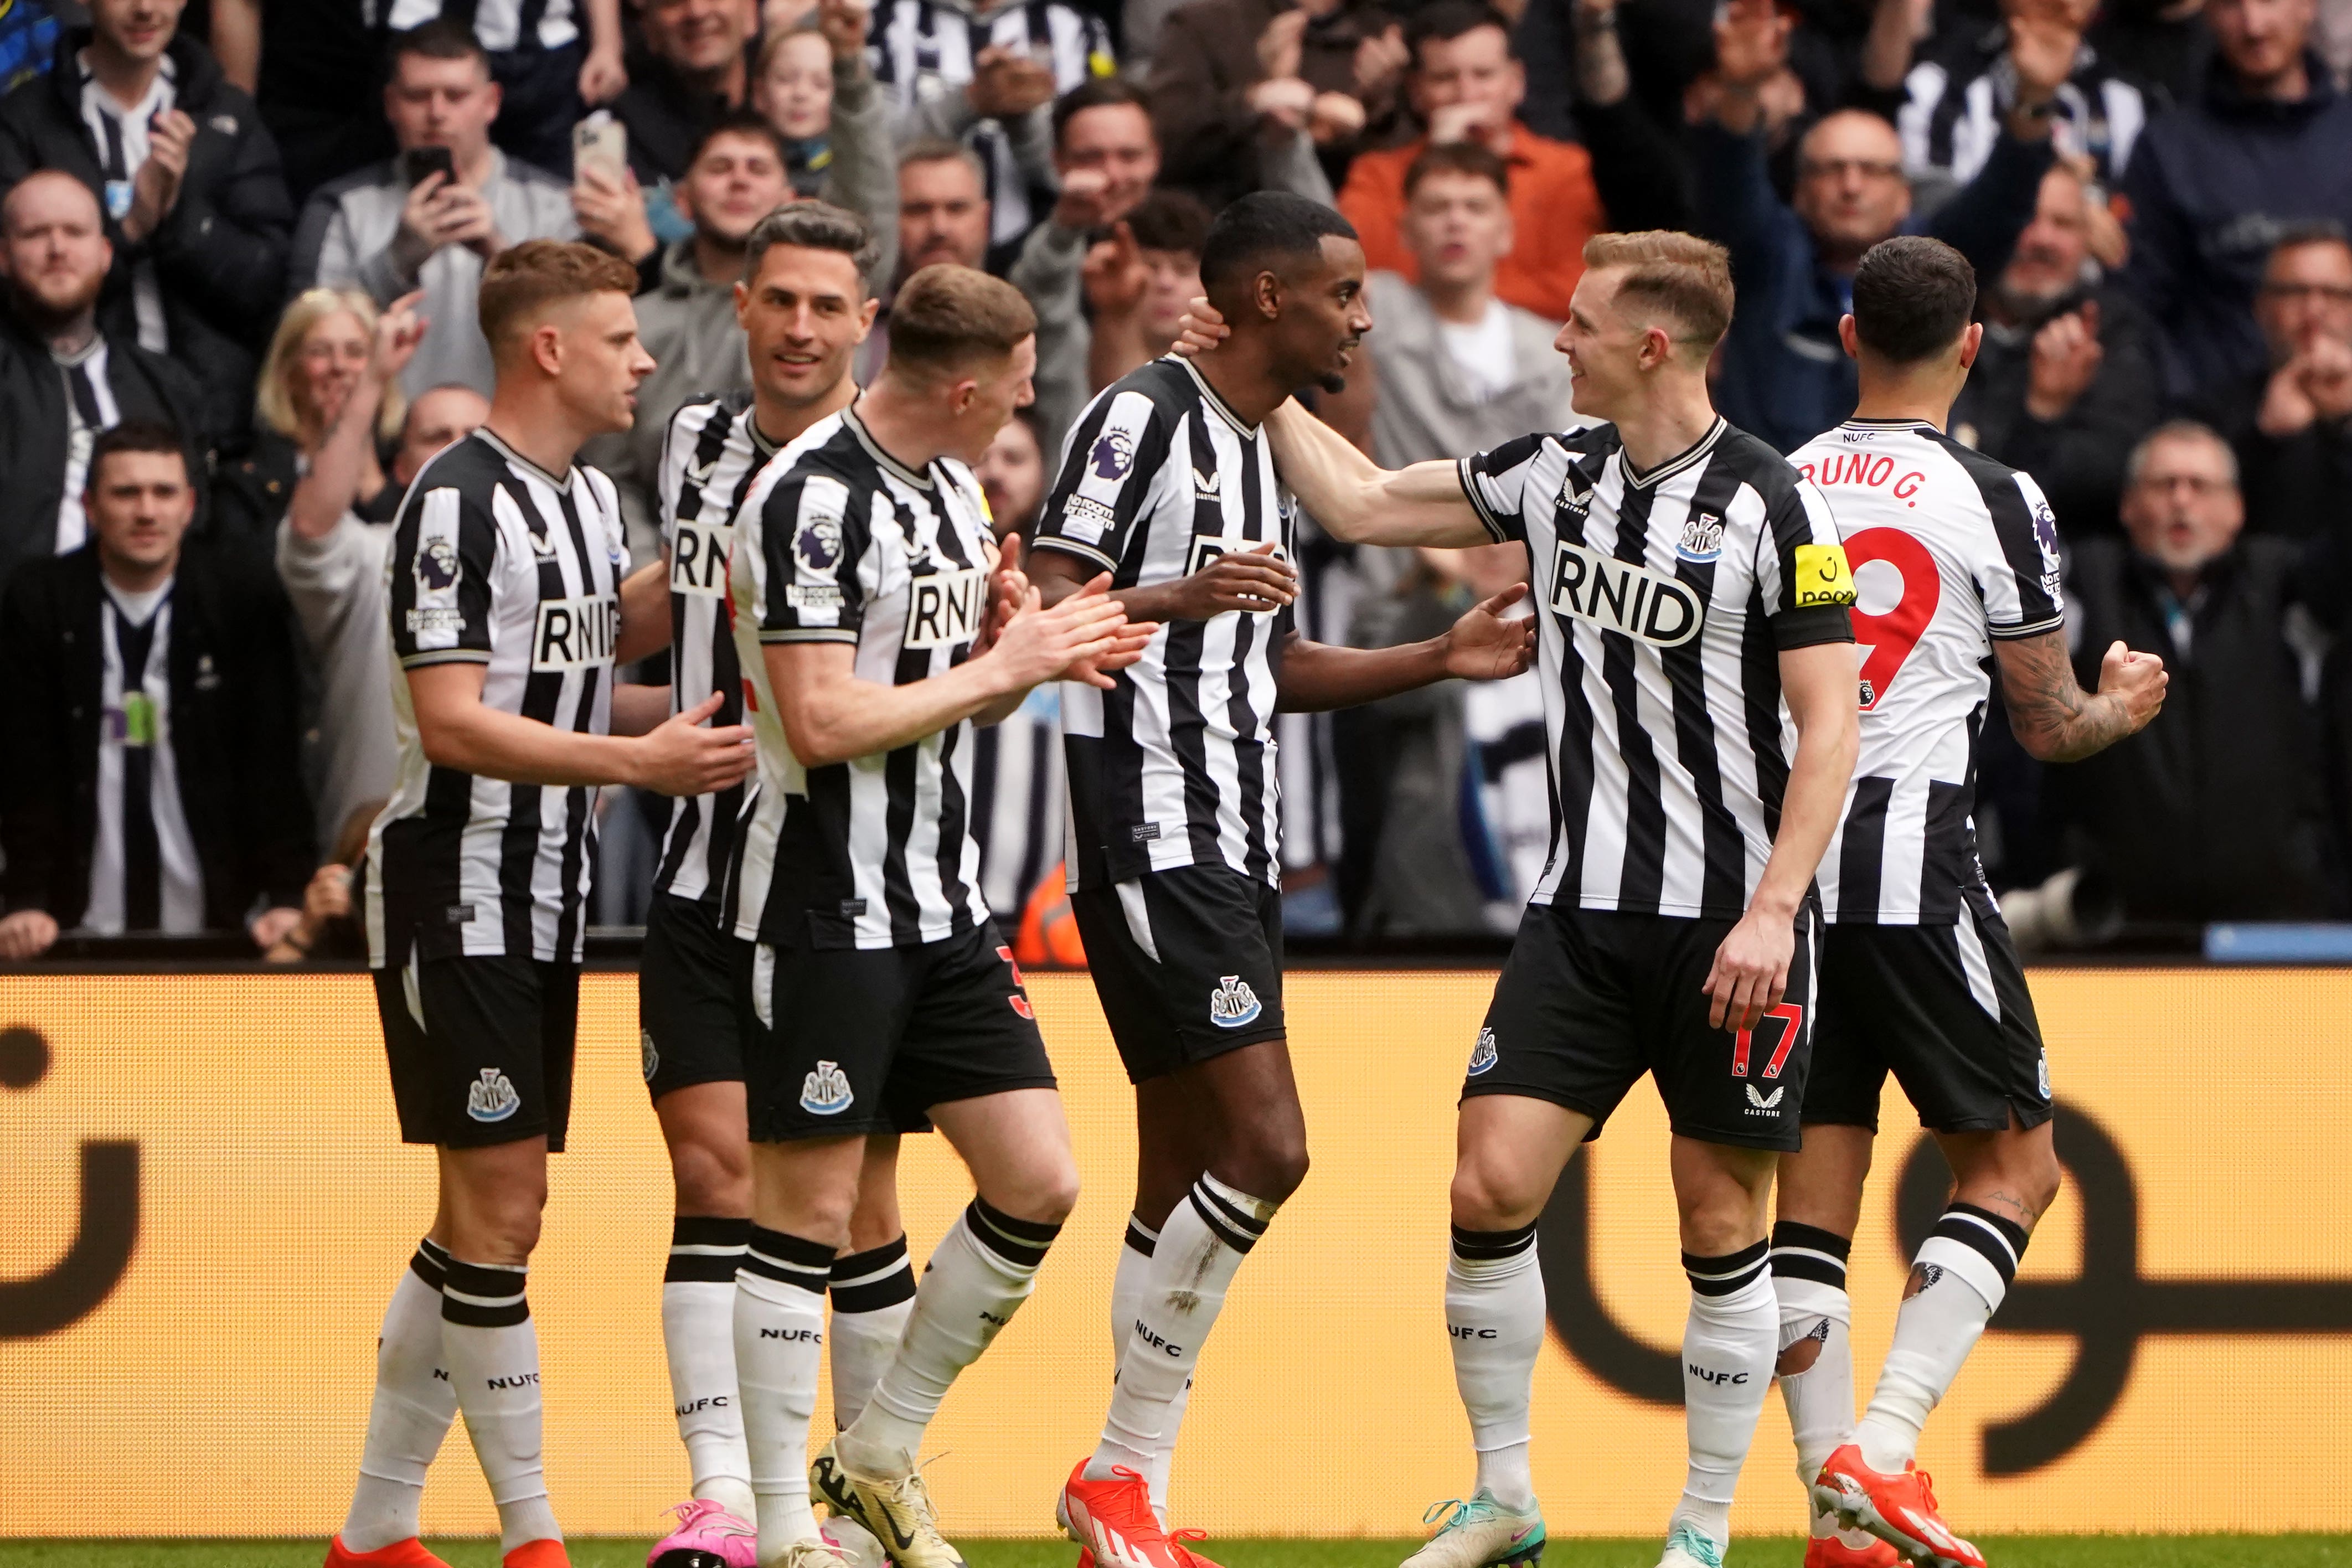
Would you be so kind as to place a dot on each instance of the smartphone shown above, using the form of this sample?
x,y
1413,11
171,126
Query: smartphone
x,y
602,142
418,164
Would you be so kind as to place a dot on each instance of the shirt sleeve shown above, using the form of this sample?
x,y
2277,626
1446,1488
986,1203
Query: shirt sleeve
x,y
442,571
808,549
2018,573
1108,461
1802,567
1495,480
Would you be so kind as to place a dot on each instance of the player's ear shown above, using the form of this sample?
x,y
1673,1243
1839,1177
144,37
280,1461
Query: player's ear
x,y
1267,292
1971,345
1850,343
547,347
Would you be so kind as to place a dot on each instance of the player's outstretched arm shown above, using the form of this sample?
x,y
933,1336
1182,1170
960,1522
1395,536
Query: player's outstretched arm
x,y
1357,500
2054,718
1481,646
677,756
1751,968
1255,581
830,715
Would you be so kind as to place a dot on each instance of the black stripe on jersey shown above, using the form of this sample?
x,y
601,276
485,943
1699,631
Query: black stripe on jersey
x,y
1643,879
955,814
1249,762
1861,847
1187,640
1945,861
899,771
1571,762
578,825
2012,525
542,692
1760,686
1725,880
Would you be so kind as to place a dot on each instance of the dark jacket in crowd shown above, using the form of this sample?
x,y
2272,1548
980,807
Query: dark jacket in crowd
x,y
32,429
2299,485
2217,810
1202,68
219,254
2212,185
666,117
1785,378
234,734
2078,459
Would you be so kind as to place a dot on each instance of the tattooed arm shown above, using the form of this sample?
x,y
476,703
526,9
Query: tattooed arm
x,y
2058,721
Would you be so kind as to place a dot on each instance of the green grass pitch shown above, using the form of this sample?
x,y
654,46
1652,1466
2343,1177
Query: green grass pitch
x,y
2002,1552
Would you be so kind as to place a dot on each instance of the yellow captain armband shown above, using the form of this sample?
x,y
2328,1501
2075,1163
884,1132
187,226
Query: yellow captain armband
x,y
1099,63
1823,576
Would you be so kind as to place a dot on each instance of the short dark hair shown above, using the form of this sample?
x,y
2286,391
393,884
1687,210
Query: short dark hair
x,y
1447,20
947,315
2309,231
1171,220
1258,229
522,280
812,225
739,123
940,150
1912,296
439,39
1096,93
1472,158
133,435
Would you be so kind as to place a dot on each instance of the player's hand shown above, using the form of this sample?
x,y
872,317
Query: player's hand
x,y
1251,580
1751,971
1484,645
1040,644
2135,682
1008,590
26,934
680,757
1203,328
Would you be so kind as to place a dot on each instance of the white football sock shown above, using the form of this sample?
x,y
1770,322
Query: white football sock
x,y
978,1277
779,1351
1728,1344
1816,1319
1495,1318
698,1333
1125,1301
1193,1262
492,1350
873,1297
412,1410
1968,1263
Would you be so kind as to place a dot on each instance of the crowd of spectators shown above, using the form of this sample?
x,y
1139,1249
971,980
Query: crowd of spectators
x,y
241,241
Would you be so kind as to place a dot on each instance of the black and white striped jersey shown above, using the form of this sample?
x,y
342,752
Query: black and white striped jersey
x,y
1954,106
1176,764
496,561
839,541
1019,802
1950,551
710,455
923,51
1664,600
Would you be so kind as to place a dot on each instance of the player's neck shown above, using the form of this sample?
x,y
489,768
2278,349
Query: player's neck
x,y
1237,370
536,427
1673,417
904,422
1922,399
781,423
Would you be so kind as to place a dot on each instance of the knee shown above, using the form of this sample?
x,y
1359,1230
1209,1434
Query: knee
x,y
2042,1177
1046,1193
1722,1219
501,1228
1488,1195
1276,1168
712,1179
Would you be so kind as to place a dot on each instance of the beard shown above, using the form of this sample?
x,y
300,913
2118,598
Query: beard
x,y
53,310
1332,381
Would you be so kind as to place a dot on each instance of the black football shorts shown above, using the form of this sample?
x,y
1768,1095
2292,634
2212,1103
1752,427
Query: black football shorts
x,y
689,1025
1946,1009
1187,964
844,1041
1590,1000
480,1047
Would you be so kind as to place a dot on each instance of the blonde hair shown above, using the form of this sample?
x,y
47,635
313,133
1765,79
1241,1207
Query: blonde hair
x,y
273,401
1680,276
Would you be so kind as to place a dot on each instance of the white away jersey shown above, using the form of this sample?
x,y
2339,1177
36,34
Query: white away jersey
x,y
710,456
496,561
839,541
1950,551
1177,764
1664,602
